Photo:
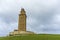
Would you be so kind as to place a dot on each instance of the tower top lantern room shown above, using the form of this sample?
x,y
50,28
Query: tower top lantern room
x,y
22,11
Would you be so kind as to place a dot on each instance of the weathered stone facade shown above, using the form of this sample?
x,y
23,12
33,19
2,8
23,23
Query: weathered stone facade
x,y
22,20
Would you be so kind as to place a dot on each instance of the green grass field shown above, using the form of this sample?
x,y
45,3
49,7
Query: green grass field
x,y
33,37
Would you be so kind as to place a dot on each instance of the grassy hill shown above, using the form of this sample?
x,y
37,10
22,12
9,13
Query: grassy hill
x,y
32,37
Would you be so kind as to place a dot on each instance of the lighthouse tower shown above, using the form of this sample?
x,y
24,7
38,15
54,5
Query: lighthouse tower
x,y
21,25
22,20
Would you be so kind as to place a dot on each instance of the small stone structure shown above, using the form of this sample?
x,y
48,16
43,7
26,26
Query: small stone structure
x,y
21,25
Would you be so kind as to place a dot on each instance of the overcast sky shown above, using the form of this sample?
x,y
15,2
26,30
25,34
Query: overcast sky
x,y
43,16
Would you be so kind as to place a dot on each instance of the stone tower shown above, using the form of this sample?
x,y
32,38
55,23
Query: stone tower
x,y
22,20
21,25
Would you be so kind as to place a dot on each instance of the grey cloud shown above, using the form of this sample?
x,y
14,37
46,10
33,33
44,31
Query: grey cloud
x,y
39,12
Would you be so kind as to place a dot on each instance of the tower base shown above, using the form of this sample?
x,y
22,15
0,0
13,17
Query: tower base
x,y
17,33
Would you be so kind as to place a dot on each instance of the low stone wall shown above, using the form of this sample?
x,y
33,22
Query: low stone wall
x,y
20,33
